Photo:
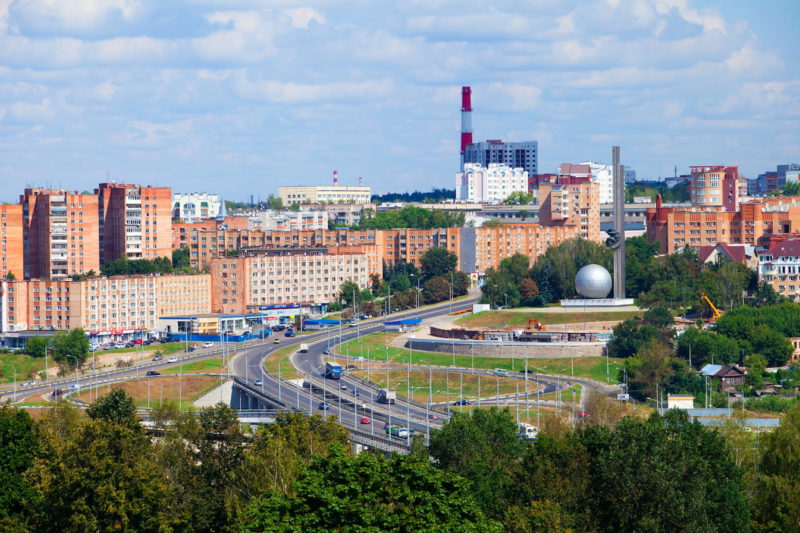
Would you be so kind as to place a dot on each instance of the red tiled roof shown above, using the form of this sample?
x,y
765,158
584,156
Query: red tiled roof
x,y
568,168
735,253
788,248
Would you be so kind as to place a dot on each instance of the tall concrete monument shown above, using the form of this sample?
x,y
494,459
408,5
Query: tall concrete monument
x,y
619,224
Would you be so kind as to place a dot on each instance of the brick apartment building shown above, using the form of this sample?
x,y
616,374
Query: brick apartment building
x,y
11,247
760,223
780,267
305,275
134,221
115,308
568,199
60,230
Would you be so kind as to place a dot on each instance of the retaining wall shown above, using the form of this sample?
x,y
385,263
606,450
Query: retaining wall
x,y
518,350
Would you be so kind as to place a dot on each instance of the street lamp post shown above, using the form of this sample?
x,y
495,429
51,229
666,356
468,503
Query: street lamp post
x,y
15,383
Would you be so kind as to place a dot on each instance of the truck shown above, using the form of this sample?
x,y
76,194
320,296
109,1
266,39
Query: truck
x,y
333,370
304,347
386,396
397,431
527,431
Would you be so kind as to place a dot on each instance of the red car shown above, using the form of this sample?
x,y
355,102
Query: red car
x,y
365,420
433,417
584,414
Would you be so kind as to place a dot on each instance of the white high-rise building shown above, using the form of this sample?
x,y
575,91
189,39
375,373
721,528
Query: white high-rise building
x,y
514,154
603,176
492,184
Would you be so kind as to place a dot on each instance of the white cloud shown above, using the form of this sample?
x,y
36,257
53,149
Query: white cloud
x,y
276,92
301,16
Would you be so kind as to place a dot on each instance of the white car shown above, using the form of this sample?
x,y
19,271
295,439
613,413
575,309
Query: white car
x,y
28,383
172,360
208,345
258,383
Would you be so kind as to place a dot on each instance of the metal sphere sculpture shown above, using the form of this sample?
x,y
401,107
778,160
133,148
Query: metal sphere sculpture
x,y
593,282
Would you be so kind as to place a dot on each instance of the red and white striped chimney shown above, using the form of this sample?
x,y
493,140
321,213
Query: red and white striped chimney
x,y
466,121
335,179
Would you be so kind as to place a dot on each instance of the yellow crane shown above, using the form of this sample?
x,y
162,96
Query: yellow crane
x,y
716,311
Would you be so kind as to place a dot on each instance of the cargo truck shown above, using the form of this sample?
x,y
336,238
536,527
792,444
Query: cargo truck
x,y
527,431
304,347
386,396
333,370
397,431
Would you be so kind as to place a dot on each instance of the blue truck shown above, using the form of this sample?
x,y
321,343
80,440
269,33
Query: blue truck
x,y
333,370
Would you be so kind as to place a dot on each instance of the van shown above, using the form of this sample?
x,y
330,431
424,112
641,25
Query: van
x,y
502,372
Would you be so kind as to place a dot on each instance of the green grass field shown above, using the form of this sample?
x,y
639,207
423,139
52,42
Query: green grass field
x,y
167,348
512,318
23,363
584,367
206,366
278,357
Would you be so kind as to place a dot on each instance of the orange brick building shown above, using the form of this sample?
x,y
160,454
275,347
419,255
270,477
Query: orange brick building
x,y
134,221
759,223
59,233
574,202
11,246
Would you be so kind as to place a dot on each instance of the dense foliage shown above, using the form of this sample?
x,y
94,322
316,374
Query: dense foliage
x,y
434,195
159,265
412,217
678,193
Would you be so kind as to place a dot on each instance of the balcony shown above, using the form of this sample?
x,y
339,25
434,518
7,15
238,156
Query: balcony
x,y
58,256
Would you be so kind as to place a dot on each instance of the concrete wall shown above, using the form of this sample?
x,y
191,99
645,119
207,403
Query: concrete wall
x,y
518,350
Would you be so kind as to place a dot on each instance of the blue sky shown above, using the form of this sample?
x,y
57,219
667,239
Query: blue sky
x,y
239,97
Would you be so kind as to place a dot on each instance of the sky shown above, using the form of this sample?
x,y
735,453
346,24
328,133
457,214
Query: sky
x,y
238,97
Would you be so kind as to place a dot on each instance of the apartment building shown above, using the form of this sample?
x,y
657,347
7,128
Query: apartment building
x,y
349,214
780,267
195,206
409,245
324,193
492,183
12,250
291,220
717,186
134,221
572,201
60,230
482,248
759,223
309,276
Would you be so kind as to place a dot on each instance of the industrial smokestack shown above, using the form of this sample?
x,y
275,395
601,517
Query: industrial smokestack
x,y
466,121
335,179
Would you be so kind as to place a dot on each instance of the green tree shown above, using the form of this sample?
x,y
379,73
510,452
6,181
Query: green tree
x,y
400,283
346,292
516,267
10,276
766,294
36,346
104,480
436,290
295,206
519,198
20,444
776,495
437,261
231,253
483,447
116,407
658,317
756,366
342,493
629,337
493,223
274,203
181,259
540,517
649,368
528,290
73,342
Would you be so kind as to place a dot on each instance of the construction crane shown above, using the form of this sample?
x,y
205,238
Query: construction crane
x,y
539,325
716,311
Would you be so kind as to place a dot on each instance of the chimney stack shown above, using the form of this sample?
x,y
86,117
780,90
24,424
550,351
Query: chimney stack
x,y
335,179
466,121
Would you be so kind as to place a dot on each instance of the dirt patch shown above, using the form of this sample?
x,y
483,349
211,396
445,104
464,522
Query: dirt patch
x,y
173,388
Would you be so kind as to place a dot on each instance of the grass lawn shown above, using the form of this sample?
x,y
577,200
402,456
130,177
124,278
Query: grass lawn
x,y
189,388
206,366
32,404
512,318
23,363
166,348
278,357
585,367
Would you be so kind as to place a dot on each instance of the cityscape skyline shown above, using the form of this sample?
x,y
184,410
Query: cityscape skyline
x,y
187,96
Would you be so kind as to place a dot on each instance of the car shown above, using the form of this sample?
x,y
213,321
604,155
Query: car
x,y
148,342
192,348
353,324
130,344
395,310
461,402
356,393
343,386
326,352
57,392
584,414
279,327
120,345
208,345
152,373
529,371
289,333
172,360
324,406
74,387
28,383
276,341
259,383
158,358
138,341
365,420
351,367
433,417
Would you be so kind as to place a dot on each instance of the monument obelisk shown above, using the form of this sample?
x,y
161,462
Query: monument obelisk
x,y
619,223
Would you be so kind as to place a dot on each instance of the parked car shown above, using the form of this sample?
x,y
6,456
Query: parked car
x,y
152,373
324,406
148,342
208,345
365,420
172,360
279,327
259,383
120,345
130,344
395,310
326,352
138,341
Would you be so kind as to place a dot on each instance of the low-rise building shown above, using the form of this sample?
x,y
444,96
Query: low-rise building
x,y
195,206
729,377
348,214
324,193
741,253
292,220
780,267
